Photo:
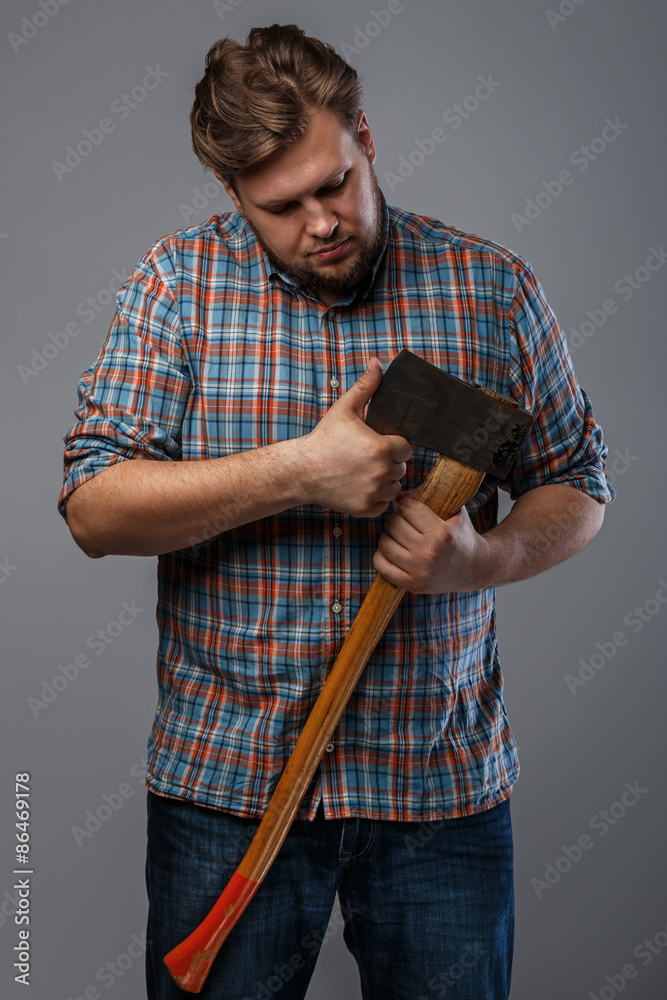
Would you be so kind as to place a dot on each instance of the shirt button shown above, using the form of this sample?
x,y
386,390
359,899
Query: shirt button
x,y
338,531
331,313
336,607
330,748
334,383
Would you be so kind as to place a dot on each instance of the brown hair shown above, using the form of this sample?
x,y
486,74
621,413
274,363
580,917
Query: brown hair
x,y
257,98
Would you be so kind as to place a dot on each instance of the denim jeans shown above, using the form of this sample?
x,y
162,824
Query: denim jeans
x,y
428,907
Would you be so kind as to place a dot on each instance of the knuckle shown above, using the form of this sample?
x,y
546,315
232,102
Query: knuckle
x,y
385,450
378,474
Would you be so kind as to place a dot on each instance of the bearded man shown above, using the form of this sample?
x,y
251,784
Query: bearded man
x,y
222,430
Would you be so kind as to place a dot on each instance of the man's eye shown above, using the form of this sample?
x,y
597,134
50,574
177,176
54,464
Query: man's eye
x,y
337,187
327,190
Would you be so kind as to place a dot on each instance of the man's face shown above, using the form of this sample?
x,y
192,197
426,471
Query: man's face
x,y
316,207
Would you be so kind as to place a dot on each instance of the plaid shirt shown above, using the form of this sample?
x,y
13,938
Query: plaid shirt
x,y
212,352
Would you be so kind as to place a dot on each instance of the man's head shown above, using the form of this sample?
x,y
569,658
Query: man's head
x,y
278,121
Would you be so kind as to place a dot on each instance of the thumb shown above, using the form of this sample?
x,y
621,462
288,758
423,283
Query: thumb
x,y
364,387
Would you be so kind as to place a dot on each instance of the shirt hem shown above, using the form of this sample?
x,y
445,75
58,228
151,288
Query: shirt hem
x,y
342,811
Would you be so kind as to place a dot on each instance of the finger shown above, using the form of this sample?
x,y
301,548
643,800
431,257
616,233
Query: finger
x,y
395,553
399,448
401,531
362,391
418,515
390,572
400,545
397,472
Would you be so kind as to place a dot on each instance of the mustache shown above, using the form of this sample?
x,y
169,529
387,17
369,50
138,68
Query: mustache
x,y
330,244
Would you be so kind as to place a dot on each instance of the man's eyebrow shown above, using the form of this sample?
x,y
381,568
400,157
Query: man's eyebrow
x,y
285,201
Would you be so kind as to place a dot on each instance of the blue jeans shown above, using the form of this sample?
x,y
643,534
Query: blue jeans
x,y
428,907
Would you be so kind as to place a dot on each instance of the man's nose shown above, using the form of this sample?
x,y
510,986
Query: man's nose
x,y
321,222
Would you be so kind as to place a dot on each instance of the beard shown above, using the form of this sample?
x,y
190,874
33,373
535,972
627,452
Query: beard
x,y
347,274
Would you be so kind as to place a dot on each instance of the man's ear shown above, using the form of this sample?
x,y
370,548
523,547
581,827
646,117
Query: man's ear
x,y
365,136
231,192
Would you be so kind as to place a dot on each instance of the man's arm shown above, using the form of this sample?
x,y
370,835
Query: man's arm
x,y
142,507
425,555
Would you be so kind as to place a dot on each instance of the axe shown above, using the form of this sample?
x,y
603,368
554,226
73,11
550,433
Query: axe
x,y
476,431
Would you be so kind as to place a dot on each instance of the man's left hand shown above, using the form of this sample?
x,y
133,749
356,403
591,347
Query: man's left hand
x,y
423,554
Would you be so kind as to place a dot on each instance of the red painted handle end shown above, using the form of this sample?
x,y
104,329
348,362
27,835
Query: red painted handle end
x,y
189,963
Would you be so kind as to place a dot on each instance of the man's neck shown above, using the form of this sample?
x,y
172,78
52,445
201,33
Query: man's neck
x,y
327,298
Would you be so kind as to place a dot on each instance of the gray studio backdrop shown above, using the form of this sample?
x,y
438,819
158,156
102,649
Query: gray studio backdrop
x,y
541,128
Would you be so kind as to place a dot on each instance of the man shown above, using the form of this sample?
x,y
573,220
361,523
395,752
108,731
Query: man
x,y
222,429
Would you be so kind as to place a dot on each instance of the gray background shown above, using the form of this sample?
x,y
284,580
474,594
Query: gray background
x,y
61,240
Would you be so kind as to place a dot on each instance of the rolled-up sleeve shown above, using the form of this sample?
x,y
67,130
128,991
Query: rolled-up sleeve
x,y
565,443
132,399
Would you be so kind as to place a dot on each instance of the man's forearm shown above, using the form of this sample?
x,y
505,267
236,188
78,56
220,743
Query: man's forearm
x,y
144,508
544,527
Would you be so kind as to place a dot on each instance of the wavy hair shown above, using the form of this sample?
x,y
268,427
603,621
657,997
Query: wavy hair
x,y
257,98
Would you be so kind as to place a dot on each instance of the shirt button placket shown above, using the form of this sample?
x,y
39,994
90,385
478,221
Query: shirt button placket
x,y
337,568
334,382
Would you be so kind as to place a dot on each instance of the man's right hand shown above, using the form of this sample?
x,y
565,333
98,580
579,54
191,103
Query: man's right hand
x,y
347,466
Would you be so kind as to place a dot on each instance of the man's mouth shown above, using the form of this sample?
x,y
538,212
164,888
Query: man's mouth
x,y
333,252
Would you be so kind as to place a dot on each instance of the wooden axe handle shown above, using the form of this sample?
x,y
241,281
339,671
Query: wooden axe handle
x,y
448,487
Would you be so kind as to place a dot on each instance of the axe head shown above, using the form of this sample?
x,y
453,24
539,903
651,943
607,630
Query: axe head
x,y
431,408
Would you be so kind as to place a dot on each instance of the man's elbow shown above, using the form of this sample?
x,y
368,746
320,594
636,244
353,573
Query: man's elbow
x,y
80,529
598,517
594,516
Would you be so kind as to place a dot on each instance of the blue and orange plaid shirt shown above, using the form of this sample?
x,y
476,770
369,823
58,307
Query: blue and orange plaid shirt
x,y
212,352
